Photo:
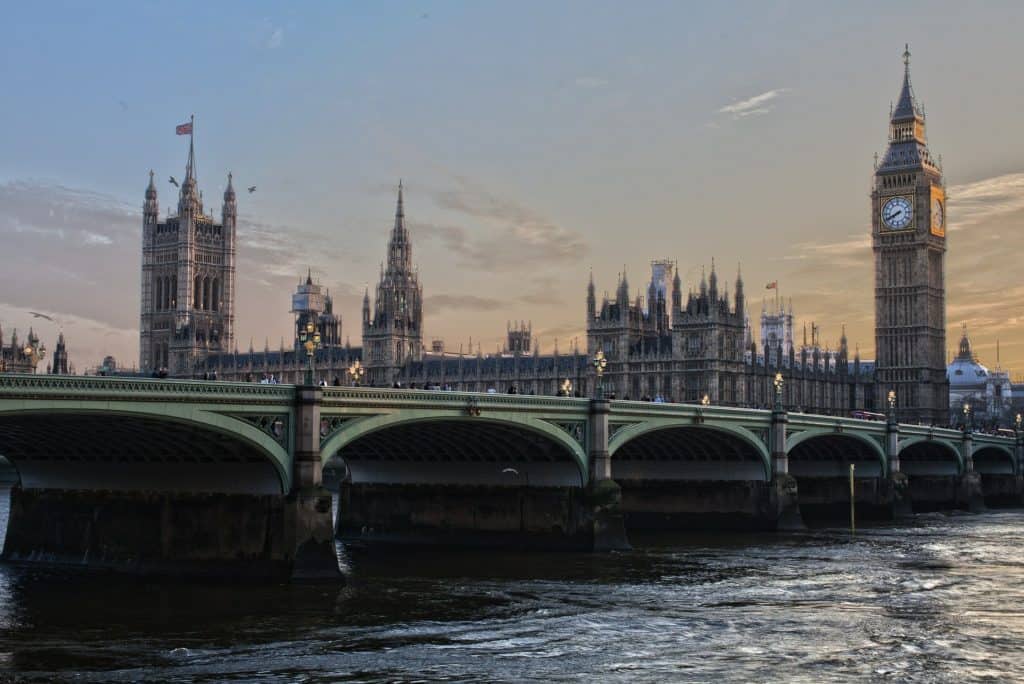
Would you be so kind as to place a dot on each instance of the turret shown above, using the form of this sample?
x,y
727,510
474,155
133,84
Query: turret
x,y
740,302
591,299
230,208
713,283
366,307
677,297
151,207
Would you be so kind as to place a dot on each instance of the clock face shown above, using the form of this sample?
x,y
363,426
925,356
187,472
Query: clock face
x,y
938,214
897,213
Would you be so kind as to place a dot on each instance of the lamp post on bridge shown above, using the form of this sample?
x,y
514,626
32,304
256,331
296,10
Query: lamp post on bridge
x,y
600,363
309,337
778,383
566,390
967,417
34,354
356,371
892,435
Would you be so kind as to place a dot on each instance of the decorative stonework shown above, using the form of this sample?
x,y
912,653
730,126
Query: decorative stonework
x,y
276,426
613,428
574,429
329,425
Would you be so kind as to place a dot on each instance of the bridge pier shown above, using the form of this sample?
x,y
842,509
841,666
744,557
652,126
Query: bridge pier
x,y
309,528
604,495
896,485
969,494
783,494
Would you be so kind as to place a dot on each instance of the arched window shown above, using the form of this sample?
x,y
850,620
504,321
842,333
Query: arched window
x,y
215,290
173,301
158,293
206,294
197,294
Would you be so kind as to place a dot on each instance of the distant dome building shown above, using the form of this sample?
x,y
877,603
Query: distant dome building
x,y
988,392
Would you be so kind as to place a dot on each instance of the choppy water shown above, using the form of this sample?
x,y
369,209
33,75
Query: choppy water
x,y
938,599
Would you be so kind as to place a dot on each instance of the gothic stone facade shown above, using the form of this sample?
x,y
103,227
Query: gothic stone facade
x,y
188,279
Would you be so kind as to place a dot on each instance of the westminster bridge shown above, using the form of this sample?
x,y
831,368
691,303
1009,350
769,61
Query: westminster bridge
x,y
228,478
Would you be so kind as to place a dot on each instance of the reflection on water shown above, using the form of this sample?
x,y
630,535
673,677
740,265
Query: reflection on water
x,y
936,599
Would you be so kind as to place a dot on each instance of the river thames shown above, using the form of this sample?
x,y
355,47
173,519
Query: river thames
x,y
939,598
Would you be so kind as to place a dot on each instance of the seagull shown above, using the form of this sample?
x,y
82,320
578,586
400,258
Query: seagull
x,y
36,314
174,182
252,189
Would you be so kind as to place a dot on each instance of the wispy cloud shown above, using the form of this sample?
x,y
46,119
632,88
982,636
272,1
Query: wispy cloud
x,y
590,82
753,106
435,304
980,201
507,234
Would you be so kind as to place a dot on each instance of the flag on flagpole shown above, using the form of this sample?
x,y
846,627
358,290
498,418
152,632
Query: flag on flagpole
x,y
774,285
183,129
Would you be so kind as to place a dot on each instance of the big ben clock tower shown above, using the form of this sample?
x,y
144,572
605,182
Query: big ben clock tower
x,y
908,236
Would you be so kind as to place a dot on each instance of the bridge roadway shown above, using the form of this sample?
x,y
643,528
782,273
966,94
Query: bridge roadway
x,y
227,478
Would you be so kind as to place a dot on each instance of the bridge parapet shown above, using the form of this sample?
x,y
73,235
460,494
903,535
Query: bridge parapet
x,y
23,386
356,397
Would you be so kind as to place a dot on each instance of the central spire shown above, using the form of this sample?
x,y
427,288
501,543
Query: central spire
x,y
906,105
399,248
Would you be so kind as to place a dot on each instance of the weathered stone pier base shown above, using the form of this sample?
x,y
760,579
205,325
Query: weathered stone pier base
x,y
710,505
1002,490
970,496
874,498
568,518
161,533
940,492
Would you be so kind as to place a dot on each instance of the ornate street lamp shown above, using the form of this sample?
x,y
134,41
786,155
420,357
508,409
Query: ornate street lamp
x,y
891,397
310,340
1017,421
967,416
778,383
705,400
566,388
600,363
356,371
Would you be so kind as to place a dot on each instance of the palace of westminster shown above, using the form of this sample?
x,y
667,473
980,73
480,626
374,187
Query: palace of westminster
x,y
670,345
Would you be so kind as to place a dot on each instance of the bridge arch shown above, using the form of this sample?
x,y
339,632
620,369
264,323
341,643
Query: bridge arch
x,y
827,453
141,446
459,449
688,451
927,456
994,459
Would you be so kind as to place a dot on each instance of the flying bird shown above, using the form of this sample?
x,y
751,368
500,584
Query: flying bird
x,y
174,182
36,314
252,189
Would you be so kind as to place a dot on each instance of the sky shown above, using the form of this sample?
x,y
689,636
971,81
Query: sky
x,y
538,142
